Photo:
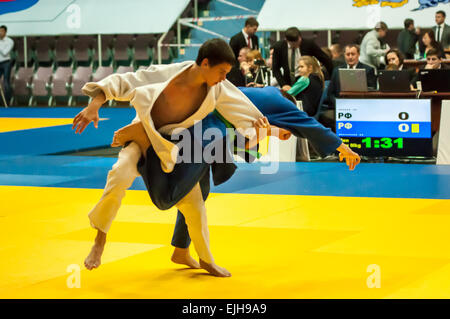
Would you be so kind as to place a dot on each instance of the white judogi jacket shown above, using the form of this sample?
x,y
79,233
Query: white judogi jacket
x,y
143,87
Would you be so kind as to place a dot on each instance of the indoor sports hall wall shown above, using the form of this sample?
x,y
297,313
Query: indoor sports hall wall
x,y
54,17
346,14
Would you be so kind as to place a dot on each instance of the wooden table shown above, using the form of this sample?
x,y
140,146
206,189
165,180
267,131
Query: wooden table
x,y
419,63
436,101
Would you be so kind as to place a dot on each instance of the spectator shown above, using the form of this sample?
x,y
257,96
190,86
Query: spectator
x,y
442,30
371,51
430,42
434,60
246,38
6,46
236,75
255,70
272,79
309,86
407,39
327,51
394,60
286,54
337,55
352,61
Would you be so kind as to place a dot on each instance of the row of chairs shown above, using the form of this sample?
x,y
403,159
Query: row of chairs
x,y
47,86
82,50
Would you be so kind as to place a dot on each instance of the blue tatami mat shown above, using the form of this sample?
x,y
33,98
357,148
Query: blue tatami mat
x,y
320,179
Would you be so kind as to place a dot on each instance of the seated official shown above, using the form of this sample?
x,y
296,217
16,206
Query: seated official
x,y
255,70
309,86
236,74
434,62
351,55
394,59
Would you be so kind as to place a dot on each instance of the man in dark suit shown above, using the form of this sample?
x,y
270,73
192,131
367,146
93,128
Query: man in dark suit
x,y
407,39
287,52
337,55
245,38
351,54
442,30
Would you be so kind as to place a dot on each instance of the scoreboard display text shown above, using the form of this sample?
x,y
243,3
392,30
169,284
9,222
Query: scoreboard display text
x,y
385,127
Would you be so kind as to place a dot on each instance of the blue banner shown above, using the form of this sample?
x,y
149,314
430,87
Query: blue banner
x,y
384,129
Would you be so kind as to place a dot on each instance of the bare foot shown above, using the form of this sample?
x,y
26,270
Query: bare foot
x,y
94,259
215,270
182,256
132,132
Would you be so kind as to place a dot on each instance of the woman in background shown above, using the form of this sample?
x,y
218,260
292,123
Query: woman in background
x,y
429,40
309,86
255,70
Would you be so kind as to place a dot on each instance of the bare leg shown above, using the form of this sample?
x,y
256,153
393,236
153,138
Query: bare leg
x,y
193,208
93,260
183,257
132,132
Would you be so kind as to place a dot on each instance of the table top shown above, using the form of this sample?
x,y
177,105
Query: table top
x,y
410,62
378,94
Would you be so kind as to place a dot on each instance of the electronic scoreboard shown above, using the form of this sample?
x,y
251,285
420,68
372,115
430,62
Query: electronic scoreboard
x,y
385,127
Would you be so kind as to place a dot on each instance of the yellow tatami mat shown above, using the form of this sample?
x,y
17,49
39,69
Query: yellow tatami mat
x,y
275,247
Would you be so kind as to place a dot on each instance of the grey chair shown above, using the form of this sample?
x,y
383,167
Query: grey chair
x,y
63,50
40,84
83,74
60,83
143,49
21,84
82,48
124,69
44,51
101,73
123,48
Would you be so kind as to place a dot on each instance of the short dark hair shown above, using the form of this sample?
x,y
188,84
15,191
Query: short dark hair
x,y
434,52
292,34
217,51
381,26
4,27
441,12
408,22
251,22
288,96
401,57
353,46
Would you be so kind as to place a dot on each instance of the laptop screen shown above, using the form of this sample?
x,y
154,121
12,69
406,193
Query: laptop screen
x,y
385,127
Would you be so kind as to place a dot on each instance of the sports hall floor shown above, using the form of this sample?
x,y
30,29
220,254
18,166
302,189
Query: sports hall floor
x,y
313,230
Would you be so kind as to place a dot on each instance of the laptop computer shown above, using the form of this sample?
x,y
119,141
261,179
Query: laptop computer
x,y
353,80
435,80
394,81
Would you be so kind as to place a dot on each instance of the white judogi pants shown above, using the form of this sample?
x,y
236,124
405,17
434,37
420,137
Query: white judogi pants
x,y
121,177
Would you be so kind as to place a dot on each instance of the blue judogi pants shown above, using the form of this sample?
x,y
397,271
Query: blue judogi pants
x,y
284,114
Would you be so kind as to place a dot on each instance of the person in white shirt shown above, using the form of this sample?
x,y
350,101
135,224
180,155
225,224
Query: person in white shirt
x,y
6,46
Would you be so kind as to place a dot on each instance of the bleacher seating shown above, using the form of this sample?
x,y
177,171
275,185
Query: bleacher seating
x,y
61,79
40,83
21,84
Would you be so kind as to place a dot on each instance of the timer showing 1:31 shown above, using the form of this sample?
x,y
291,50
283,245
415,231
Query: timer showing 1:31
x,y
384,142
